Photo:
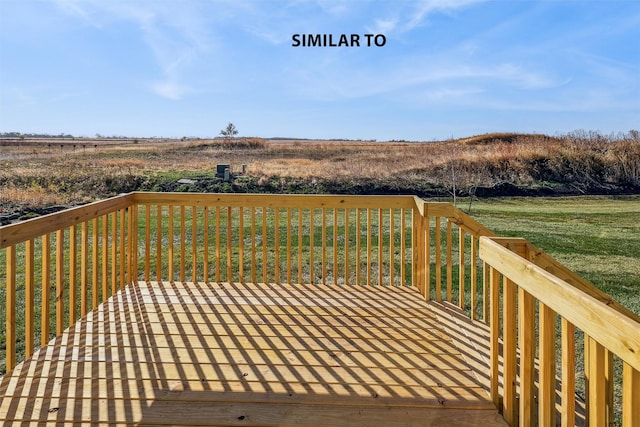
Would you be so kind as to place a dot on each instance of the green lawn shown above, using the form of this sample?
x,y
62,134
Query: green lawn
x,y
597,237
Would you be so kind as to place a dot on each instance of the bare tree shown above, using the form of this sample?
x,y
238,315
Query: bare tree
x,y
453,153
229,132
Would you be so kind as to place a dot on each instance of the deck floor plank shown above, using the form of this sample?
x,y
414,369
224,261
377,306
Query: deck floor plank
x,y
164,353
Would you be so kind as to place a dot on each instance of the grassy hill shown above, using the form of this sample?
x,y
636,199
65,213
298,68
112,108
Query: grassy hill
x,y
34,176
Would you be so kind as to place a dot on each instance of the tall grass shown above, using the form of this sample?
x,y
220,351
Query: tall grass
x,y
576,163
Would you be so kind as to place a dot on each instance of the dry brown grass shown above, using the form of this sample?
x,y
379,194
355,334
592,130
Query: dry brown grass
x,y
42,175
30,197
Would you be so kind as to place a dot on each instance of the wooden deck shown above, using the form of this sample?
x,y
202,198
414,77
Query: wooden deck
x,y
257,354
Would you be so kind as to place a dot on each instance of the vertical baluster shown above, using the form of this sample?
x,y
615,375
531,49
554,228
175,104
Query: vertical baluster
x,y
403,248
449,261
105,257
241,246
114,252
194,244
73,231
474,277
438,265
218,244
335,246
10,356
380,246
229,240
608,374
568,374
134,212
526,343
84,269
205,249
595,376
300,234
324,246
46,289
183,238
29,297
289,245
346,246
59,282
392,256
461,266
95,290
170,244
427,255
122,248
415,249
630,396
265,277
358,229
312,230
494,335
485,292
276,260
253,245
147,243
159,243
509,407
547,375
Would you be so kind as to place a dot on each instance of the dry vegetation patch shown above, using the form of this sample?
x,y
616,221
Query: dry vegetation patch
x,y
576,163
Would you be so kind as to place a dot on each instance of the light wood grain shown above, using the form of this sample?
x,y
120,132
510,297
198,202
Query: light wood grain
x,y
33,228
619,334
189,353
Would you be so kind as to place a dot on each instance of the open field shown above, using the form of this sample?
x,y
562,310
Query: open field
x,y
34,174
596,237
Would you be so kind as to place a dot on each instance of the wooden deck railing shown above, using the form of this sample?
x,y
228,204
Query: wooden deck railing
x,y
536,293
56,268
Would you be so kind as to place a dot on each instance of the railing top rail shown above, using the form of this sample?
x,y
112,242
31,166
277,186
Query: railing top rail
x,y
274,200
36,227
446,209
548,263
610,327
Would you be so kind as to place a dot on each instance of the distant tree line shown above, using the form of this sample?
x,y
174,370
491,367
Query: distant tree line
x,y
33,135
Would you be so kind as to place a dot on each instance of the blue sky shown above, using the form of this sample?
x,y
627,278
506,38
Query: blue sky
x,y
448,69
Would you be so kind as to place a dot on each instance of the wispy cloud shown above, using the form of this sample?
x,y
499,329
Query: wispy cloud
x,y
426,7
75,8
171,90
383,26
175,32
335,7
